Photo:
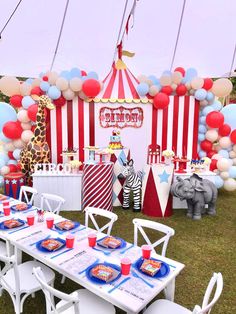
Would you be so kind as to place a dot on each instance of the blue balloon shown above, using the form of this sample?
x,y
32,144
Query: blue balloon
x,y
41,74
232,172
154,80
16,153
66,75
219,182
200,94
189,75
44,85
4,139
202,129
29,81
142,89
2,163
229,113
54,92
75,72
201,137
217,105
4,157
1,181
27,101
210,96
224,153
7,113
12,162
93,75
202,120
207,110
167,73
201,154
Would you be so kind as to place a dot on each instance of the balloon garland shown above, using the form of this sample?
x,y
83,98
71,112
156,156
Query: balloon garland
x,y
17,118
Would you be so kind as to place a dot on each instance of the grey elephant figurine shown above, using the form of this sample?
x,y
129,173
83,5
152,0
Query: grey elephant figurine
x,y
197,192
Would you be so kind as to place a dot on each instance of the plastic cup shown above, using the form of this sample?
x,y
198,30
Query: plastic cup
x,y
5,203
146,251
92,237
70,241
125,266
6,210
49,221
30,220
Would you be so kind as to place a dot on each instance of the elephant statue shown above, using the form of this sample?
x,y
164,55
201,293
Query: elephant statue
x,y
197,192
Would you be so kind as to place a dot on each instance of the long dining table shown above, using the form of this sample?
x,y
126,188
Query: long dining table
x,y
130,293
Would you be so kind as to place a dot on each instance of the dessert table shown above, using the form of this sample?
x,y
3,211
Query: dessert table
x,y
132,296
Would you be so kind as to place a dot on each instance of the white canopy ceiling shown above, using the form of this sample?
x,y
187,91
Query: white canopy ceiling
x,y
91,29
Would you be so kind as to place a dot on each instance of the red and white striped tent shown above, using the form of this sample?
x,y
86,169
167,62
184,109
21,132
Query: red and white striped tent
x,y
77,123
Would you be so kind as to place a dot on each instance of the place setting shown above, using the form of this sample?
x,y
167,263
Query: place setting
x,y
106,245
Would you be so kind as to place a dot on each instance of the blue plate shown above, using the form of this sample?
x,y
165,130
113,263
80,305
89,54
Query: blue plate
x,y
163,271
76,225
99,281
43,249
7,198
121,246
13,208
2,227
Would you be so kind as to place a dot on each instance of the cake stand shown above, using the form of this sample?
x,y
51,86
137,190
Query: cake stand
x,y
182,164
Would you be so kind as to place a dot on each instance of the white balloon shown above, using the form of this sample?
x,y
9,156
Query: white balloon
x,y
142,78
68,94
52,77
230,185
22,116
18,143
177,77
216,156
232,154
25,89
26,136
36,82
153,90
225,142
165,80
9,147
26,126
174,86
197,82
223,164
62,83
212,135
4,170
224,175
76,84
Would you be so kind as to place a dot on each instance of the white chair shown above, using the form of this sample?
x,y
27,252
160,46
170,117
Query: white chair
x,y
168,307
138,227
19,281
27,194
51,202
81,301
90,212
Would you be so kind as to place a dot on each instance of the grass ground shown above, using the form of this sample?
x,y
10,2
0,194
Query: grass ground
x,y
204,246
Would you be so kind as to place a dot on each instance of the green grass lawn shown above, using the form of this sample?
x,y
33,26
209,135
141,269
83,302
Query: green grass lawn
x,y
204,246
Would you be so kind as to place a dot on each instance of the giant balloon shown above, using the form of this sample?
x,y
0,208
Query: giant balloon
x,y
229,113
7,113
222,87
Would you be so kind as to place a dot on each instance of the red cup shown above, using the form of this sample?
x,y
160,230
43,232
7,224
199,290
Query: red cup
x,y
146,251
92,239
30,220
6,210
125,266
50,221
5,203
70,241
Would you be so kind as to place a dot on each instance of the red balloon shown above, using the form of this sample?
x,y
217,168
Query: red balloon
x,y
18,167
91,88
16,101
181,70
12,130
45,78
208,83
206,145
83,73
215,119
181,90
37,91
167,90
211,153
233,136
213,164
10,155
13,168
161,101
59,102
225,130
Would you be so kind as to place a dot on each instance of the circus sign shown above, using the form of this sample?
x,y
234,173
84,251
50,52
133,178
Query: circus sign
x,y
121,117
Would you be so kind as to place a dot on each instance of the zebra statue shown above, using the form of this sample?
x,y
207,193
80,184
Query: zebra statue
x,y
133,181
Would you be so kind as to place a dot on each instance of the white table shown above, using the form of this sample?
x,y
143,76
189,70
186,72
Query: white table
x,y
67,186
177,203
131,297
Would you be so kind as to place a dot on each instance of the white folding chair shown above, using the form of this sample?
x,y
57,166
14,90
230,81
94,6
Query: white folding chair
x,y
90,212
19,281
168,307
138,227
27,194
51,202
81,301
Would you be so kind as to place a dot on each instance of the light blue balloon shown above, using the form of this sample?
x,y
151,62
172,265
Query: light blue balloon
x,y
202,120
7,113
229,113
189,75
4,139
142,89
2,163
219,182
12,162
44,85
29,81
93,75
224,153
167,73
154,80
202,129
1,181
27,101
16,153
217,105
232,172
210,96
66,75
201,137
41,74
84,78
4,157
207,110
200,94
75,72
54,92
202,154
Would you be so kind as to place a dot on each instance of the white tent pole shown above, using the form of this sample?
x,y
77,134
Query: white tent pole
x,y
177,38
8,20
60,33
